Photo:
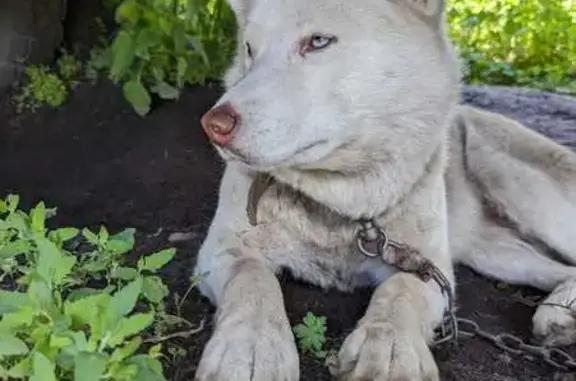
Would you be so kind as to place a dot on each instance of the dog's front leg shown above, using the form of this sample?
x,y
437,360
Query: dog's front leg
x,y
252,340
390,343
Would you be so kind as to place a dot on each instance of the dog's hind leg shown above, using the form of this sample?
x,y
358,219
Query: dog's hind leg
x,y
529,179
497,253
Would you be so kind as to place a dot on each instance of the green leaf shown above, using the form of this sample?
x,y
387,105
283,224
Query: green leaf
x,y
138,96
91,237
127,350
155,350
64,234
89,366
11,345
130,326
165,91
124,301
157,260
149,369
53,264
86,311
147,38
21,318
15,248
154,289
97,265
11,301
118,247
21,369
123,372
124,273
127,11
40,293
81,293
123,55
17,220
126,235
60,342
38,217
103,235
310,334
13,201
43,368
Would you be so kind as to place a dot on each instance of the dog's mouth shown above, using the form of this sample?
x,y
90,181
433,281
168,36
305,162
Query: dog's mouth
x,y
301,156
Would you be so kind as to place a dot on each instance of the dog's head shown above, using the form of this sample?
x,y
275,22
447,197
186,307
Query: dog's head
x,y
334,84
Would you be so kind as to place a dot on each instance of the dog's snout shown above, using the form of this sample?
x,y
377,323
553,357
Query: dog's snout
x,y
220,123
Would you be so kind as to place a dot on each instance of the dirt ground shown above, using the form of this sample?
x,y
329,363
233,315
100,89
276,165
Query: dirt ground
x,y
100,163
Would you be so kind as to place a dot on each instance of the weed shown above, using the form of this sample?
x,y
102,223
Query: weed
x,y
311,335
69,67
163,46
42,87
72,308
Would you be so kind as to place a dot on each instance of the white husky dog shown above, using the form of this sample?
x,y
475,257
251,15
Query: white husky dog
x,y
351,109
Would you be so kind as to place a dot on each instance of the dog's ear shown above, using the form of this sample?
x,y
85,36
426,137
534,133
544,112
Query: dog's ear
x,y
429,8
241,9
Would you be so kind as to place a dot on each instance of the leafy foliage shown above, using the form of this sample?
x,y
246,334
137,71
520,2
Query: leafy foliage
x,y
162,45
311,335
517,42
43,87
71,307
69,67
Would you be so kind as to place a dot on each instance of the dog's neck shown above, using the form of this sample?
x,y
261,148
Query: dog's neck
x,y
364,196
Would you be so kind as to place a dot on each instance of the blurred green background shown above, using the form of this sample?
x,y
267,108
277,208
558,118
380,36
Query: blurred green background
x,y
154,48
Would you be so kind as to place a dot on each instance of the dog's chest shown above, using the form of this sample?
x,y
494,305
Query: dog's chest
x,y
314,243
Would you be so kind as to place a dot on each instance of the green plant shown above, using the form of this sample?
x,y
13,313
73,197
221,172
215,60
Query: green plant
x,y
41,87
69,67
311,335
162,45
71,308
516,42
44,86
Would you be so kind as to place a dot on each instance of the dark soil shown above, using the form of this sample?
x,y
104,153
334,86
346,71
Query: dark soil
x,y
100,163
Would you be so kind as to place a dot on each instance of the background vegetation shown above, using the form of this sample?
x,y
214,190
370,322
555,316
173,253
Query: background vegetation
x,y
159,46
517,42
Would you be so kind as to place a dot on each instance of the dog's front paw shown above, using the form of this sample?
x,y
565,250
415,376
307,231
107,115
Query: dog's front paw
x,y
384,351
252,350
554,323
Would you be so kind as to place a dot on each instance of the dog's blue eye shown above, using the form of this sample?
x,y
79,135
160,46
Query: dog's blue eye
x,y
319,41
316,42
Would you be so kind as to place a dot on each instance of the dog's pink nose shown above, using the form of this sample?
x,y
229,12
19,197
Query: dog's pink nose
x,y
220,123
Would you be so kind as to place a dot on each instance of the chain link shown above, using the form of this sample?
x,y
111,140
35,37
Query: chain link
x,y
372,241
554,357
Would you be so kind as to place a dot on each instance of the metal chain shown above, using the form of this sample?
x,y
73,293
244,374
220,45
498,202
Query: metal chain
x,y
555,357
372,241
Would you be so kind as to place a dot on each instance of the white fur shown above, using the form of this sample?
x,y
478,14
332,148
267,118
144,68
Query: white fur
x,y
370,127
